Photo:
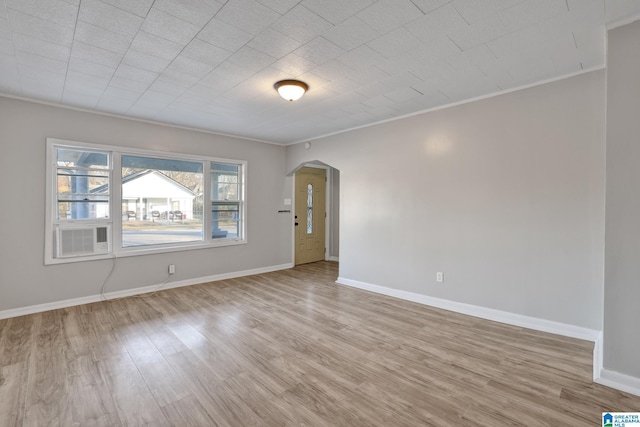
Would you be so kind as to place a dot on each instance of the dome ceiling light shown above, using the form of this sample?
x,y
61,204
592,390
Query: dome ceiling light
x,y
291,90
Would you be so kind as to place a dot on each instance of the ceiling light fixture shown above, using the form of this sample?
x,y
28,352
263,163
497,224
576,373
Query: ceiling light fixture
x,y
291,90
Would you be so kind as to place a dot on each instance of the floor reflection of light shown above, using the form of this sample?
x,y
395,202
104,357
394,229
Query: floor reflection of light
x,y
188,335
310,304
230,322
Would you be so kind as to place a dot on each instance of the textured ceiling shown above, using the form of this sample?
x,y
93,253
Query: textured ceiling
x,y
212,64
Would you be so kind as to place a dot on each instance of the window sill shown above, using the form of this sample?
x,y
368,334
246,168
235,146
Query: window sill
x,y
139,251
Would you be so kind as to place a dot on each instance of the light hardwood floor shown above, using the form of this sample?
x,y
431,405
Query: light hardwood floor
x,y
290,348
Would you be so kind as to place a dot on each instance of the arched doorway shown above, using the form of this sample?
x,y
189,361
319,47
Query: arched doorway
x,y
316,191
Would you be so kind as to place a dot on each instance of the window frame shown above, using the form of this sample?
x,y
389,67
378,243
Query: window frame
x,y
114,222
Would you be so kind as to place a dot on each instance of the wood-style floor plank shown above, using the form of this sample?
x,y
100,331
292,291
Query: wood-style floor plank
x,y
47,381
134,403
289,348
13,390
224,406
16,340
88,401
188,412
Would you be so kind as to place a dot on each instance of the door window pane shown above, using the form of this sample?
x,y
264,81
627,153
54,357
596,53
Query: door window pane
x,y
310,209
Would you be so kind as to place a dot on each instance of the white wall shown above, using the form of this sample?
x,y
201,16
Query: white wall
x,y
334,248
504,195
622,262
25,281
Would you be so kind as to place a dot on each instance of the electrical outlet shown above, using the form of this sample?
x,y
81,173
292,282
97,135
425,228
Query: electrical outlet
x,y
440,277
172,268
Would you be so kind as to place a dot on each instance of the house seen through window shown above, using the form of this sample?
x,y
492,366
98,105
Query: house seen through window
x,y
160,201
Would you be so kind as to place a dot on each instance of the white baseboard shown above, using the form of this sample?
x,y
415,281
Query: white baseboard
x,y
22,311
619,381
333,258
598,357
609,378
481,312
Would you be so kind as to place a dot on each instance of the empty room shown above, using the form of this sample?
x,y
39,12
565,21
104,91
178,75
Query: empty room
x,y
319,212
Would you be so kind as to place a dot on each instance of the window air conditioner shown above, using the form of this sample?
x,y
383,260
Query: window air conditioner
x,y
74,241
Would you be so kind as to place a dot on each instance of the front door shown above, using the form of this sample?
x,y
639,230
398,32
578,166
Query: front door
x,y
310,214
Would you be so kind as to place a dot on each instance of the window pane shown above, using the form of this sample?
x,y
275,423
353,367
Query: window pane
x,y
224,191
225,229
166,165
83,210
161,201
81,182
225,169
82,158
224,182
82,190
225,220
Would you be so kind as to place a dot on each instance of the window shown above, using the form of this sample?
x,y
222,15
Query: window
x,y
105,200
225,200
